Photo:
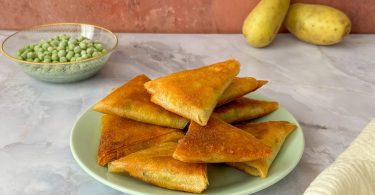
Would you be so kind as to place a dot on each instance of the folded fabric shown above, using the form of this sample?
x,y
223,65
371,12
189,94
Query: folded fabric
x,y
353,172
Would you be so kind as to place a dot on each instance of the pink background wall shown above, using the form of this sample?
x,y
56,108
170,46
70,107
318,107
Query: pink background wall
x,y
190,16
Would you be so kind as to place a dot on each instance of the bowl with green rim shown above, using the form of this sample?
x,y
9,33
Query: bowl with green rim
x,y
71,64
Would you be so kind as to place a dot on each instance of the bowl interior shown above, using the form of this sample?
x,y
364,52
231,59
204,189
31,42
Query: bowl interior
x,y
44,32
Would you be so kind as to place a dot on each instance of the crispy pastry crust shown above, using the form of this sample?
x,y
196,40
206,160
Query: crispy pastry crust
x,y
219,142
193,94
156,166
132,101
239,87
121,136
273,134
243,109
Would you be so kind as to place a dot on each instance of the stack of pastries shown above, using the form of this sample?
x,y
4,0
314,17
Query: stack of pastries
x,y
165,131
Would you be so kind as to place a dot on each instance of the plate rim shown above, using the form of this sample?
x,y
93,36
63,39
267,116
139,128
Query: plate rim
x,y
121,188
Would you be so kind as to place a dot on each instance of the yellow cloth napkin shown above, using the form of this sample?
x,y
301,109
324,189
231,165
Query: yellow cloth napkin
x,y
353,172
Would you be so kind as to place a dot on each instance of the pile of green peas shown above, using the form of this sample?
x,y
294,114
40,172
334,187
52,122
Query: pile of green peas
x,y
61,48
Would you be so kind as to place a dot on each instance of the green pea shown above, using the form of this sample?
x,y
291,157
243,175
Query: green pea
x,y
19,53
61,48
47,53
61,53
63,37
55,56
63,44
80,38
22,49
95,53
82,45
37,48
54,61
30,55
45,45
47,56
77,49
41,49
55,43
90,51
71,47
40,55
98,46
72,41
24,55
63,59
69,55
88,41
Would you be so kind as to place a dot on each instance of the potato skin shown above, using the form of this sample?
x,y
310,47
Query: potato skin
x,y
317,24
262,24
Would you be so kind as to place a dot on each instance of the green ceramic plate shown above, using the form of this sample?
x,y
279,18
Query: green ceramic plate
x,y
84,143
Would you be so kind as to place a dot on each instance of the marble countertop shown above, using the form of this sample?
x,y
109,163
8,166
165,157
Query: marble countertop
x,y
330,90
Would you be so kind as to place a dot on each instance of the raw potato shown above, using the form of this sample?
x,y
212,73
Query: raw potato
x,y
263,23
317,24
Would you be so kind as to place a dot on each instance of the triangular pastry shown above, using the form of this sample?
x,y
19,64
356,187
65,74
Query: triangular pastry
x,y
260,83
239,87
121,136
193,94
132,101
243,109
155,165
273,134
219,142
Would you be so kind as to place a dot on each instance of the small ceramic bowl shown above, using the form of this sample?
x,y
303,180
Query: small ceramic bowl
x,y
61,72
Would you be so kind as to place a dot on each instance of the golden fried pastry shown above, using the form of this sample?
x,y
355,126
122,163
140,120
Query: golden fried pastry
x,y
155,165
132,101
121,136
260,83
243,109
217,142
239,87
273,134
193,94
